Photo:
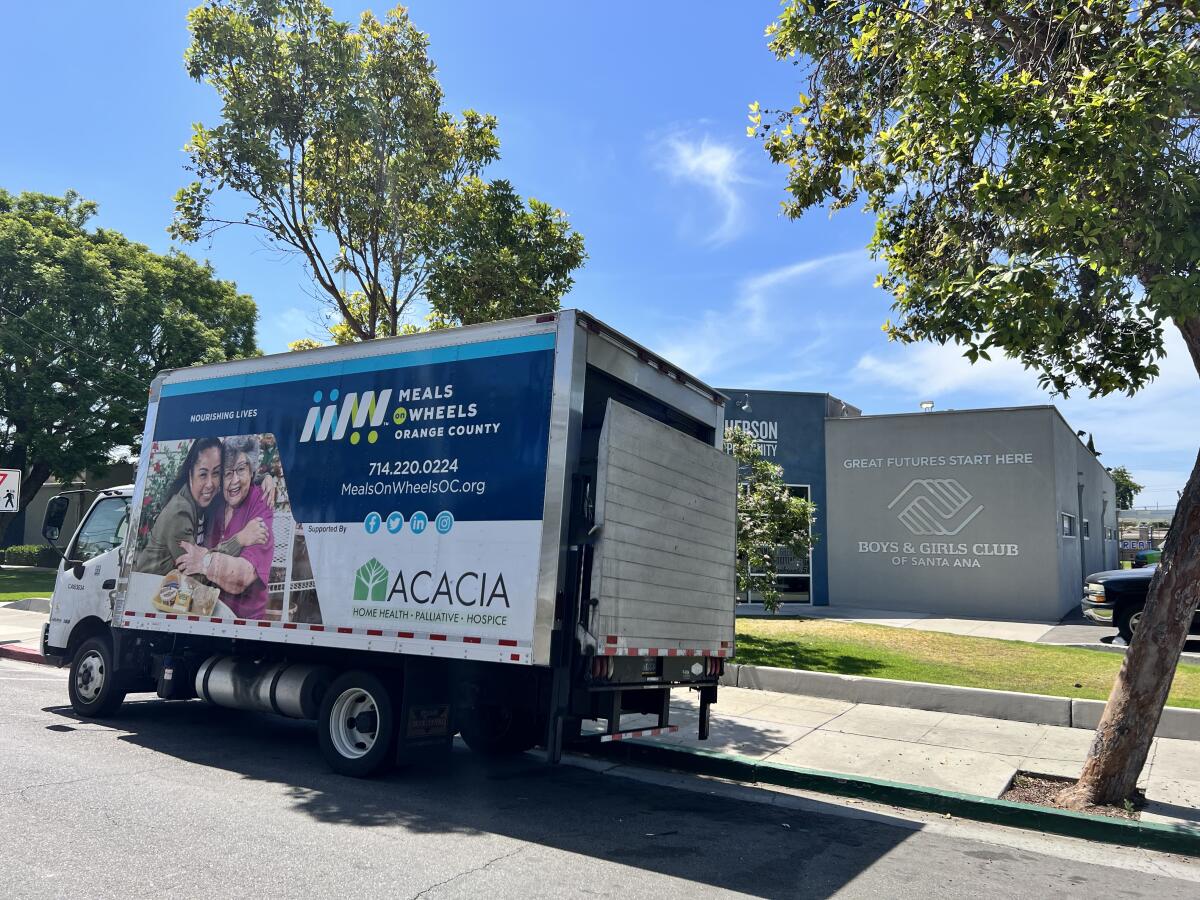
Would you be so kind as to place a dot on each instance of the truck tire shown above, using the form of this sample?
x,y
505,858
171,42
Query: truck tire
x,y
356,728
495,730
93,684
1127,620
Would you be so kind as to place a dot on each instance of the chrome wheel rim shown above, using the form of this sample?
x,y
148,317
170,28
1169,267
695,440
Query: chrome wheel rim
x,y
1135,620
89,676
354,723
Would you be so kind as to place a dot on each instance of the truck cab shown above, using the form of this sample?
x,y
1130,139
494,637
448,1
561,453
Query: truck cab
x,y
82,603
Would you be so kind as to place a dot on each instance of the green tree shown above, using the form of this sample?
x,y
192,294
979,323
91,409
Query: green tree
x,y
338,139
1034,171
502,259
770,519
87,318
1127,488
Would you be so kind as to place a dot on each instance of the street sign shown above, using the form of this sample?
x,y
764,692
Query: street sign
x,y
10,490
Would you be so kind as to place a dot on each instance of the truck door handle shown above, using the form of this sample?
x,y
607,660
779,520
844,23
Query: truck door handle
x,y
109,584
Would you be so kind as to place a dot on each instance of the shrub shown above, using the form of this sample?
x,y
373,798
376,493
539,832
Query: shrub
x,y
31,555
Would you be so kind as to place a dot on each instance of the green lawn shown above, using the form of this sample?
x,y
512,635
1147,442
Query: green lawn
x,y
19,585
851,648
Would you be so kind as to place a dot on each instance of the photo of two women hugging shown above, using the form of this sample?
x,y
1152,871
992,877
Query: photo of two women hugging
x,y
215,521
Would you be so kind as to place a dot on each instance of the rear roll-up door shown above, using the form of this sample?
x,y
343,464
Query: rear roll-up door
x,y
663,576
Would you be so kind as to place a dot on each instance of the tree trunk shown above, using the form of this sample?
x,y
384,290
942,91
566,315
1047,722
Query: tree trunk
x,y
1123,738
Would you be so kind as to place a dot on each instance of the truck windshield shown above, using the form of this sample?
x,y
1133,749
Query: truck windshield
x,y
103,530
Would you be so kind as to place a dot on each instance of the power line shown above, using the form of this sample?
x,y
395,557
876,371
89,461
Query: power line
x,y
71,346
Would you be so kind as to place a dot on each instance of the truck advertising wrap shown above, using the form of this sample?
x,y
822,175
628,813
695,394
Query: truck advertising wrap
x,y
397,497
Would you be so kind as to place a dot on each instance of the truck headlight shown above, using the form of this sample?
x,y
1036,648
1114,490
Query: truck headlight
x,y
1095,592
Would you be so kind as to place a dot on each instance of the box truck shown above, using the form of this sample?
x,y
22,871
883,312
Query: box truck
x,y
515,531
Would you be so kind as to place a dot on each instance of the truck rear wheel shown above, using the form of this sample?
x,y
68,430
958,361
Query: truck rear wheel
x,y
495,730
356,728
93,684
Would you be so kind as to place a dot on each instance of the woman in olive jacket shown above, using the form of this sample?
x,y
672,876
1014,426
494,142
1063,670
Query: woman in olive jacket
x,y
183,516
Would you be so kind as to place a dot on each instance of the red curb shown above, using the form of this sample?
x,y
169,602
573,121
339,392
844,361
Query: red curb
x,y
23,654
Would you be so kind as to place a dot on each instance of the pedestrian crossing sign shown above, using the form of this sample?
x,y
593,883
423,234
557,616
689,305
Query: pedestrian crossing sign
x,y
10,490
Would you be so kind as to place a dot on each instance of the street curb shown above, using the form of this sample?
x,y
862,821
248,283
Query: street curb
x,y
1145,835
22,654
1038,709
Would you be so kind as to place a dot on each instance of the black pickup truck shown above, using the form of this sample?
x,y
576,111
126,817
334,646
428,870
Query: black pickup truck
x,y
1117,598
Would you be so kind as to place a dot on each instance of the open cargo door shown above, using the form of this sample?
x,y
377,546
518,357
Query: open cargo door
x,y
663,578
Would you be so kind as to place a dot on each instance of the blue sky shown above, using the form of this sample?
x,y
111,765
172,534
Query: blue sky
x,y
631,117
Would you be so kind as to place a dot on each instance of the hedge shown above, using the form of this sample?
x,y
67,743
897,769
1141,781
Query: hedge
x,y
31,555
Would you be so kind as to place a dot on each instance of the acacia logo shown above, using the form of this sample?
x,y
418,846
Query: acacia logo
x,y
326,420
935,506
371,582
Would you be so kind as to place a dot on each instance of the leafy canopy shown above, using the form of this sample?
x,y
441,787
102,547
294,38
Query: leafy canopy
x,y
87,318
1127,488
338,138
1033,168
770,519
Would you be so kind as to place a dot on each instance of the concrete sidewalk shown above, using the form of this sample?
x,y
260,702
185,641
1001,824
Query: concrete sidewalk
x,y
21,630
967,754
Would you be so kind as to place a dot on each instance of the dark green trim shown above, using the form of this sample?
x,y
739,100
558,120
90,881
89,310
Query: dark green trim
x,y
1146,835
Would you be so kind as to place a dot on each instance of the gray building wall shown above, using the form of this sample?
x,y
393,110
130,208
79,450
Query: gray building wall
x,y
957,513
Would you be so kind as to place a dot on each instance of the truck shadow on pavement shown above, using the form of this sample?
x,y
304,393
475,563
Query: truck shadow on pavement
x,y
711,839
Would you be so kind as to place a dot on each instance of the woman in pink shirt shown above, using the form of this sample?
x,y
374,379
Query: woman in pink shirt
x,y
240,536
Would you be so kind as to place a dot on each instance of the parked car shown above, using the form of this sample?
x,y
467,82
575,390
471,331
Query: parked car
x,y
1117,598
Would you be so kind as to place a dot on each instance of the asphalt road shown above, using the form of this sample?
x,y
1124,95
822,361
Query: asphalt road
x,y
184,799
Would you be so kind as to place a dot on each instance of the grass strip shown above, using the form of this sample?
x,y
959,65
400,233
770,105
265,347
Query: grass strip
x,y
878,651
21,585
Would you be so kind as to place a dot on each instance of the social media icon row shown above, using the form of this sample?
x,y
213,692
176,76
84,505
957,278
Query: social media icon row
x,y
417,522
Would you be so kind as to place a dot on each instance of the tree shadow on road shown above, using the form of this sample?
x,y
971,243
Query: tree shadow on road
x,y
709,840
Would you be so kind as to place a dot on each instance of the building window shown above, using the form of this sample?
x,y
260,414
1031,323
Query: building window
x,y
1067,524
793,574
1087,532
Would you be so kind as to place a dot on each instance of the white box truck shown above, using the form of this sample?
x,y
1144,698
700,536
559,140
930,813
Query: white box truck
x,y
515,531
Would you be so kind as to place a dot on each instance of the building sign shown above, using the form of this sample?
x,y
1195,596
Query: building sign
x,y
764,432
1138,545
935,521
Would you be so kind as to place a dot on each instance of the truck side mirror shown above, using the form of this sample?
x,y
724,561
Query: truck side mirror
x,y
56,514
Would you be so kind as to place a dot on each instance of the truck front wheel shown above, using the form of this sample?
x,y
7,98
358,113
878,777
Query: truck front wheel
x,y
356,728
93,682
496,730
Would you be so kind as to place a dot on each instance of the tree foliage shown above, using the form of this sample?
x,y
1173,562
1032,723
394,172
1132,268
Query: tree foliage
x,y
87,318
1033,169
1127,488
502,259
1034,172
770,519
338,139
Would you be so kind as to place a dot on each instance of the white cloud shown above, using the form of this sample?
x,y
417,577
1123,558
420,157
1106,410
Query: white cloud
x,y
715,167
1156,432
766,337
933,369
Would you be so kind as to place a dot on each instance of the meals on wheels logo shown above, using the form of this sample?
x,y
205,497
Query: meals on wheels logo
x,y
935,506
328,421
